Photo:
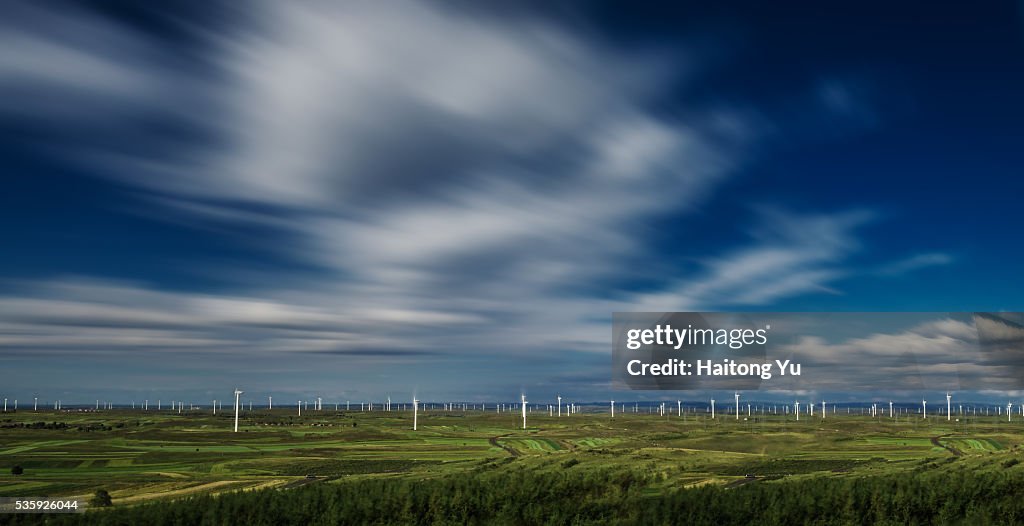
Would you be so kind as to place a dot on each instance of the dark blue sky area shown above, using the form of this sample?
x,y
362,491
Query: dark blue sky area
x,y
439,184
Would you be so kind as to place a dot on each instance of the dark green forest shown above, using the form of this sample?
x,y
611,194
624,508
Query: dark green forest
x,y
524,496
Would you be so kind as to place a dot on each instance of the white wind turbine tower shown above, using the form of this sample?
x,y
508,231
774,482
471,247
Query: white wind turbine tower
x,y
415,410
679,408
822,409
737,394
613,408
523,398
924,408
890,408
237,394
320,403
300,407
1008,413
712,408
949,407
796,409
270,403
559,406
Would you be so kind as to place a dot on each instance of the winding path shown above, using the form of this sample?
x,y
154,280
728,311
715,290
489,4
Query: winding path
x,y
937,441
510,450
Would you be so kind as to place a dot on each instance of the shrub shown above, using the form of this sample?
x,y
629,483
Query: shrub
x,y
101,499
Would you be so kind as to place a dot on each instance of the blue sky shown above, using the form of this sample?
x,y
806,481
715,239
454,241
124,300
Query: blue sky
x,y
355,200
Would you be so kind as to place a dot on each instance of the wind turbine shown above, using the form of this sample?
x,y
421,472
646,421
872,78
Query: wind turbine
x,y
559,406
712,408
949,406
613,408
737,405
300,407
679,408
796,409
237,394
822,409
523,398
270,403
1008,413
924,408
415,410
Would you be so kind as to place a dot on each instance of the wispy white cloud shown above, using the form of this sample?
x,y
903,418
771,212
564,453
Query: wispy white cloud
x,y
915,262
91,315
941,354
791,254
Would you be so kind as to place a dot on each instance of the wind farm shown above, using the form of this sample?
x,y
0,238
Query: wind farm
x,y
142,455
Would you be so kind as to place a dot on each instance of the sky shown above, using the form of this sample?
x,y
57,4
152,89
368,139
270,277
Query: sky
x,y
356,200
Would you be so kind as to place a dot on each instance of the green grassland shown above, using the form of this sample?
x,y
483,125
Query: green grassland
x,y
142,457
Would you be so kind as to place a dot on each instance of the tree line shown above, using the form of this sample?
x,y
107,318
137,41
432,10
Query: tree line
x,y
572,496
